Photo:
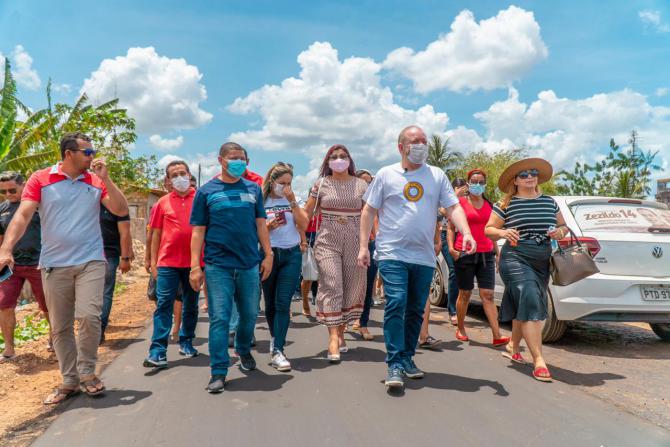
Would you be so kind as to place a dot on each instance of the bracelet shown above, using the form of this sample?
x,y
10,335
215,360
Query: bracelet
x,y
196,268
293,204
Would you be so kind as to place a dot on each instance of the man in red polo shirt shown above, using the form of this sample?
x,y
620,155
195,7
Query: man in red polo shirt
x,y
170,265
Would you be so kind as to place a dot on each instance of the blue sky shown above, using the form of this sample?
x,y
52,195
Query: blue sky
x,y
607,67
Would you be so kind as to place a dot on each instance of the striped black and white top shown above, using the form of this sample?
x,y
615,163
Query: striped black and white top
x,y
530,217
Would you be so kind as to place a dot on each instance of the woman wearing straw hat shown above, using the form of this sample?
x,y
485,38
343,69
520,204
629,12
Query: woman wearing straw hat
x,y
527,219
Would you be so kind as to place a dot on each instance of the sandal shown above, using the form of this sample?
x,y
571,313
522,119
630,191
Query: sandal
x,y
50,345
542,374
461,337
429,342
516,357
367,336
60,395
94,383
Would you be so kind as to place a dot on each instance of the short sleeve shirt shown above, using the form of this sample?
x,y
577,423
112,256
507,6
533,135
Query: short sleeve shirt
x,y
70,216
111,238
27,250
229,212
407,203
285,235
530,217
171,216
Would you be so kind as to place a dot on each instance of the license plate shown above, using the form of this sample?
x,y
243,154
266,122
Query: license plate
x,y
655,293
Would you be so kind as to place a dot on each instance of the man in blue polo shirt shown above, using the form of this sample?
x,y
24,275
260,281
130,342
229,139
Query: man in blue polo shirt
x,y
229,217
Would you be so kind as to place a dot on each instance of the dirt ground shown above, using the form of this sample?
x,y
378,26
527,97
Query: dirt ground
x,y
624,364
30,377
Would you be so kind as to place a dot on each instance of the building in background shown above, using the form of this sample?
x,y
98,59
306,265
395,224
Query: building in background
x,y
663,191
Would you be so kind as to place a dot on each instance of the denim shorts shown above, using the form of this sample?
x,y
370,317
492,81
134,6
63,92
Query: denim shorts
x,y
478,265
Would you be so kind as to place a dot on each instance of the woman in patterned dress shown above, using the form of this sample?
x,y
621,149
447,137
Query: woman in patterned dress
x,y
338,196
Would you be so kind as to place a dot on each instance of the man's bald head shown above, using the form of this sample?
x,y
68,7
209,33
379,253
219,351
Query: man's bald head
x,y
411,134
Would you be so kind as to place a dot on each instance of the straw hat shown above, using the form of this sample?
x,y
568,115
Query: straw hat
x,y
543,166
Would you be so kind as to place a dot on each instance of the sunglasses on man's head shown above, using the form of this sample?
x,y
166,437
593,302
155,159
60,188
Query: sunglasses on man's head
x,y
8,191
89,152
528,173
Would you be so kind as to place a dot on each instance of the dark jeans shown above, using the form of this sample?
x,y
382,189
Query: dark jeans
x,y
278,290
452,285
167,284
108,291
369,291
406,288
225,286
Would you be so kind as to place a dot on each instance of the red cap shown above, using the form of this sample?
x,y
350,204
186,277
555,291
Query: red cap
x,y
476,171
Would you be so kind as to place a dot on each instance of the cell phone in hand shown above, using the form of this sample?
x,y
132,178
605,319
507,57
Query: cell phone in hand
x,y
5,273
280,217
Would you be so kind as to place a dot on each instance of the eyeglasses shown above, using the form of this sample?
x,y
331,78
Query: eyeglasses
x,y
528,173
341,157
483,183
8,191
89,152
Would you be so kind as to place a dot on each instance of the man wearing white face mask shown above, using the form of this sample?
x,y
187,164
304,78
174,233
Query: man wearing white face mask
x,y
170,265
407,196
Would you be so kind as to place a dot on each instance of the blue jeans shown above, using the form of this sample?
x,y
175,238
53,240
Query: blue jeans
x,y
278,290
372,274
234,319
108,291
167,284
452,287
406,288
225,286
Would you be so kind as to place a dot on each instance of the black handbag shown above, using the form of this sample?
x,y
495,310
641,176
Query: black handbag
x,y
572,263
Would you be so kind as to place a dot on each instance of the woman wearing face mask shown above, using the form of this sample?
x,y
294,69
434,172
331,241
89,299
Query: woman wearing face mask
x,y
480,265
286,220
527,219
338,195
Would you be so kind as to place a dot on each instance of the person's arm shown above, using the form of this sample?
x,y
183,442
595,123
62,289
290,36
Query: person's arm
x,y
457,217
299,214
197,277
367,220
303,241
438,240
561,230
147,250
451,240
310,206
494,230
264,239
15,230
155,244
114,201
126,245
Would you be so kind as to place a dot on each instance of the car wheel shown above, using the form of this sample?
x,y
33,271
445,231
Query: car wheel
x,y
553,328
662,330
437,296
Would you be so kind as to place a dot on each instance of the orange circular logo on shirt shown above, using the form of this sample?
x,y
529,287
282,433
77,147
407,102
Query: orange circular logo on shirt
x,y
413,191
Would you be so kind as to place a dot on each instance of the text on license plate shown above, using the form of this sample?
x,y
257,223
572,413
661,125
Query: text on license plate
x,y
655,293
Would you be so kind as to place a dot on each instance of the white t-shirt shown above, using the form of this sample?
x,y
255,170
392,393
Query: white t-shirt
x,y
408,203
284,236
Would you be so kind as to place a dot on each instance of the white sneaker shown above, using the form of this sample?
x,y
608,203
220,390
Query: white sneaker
x,y
280,363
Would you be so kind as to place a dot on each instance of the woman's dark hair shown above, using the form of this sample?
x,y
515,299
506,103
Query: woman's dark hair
x,y
458,182
483,174
325,169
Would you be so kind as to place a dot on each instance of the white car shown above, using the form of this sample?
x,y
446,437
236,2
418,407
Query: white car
x,y
630,242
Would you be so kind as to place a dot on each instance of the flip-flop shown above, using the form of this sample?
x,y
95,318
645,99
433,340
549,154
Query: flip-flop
x,y
52,399
461,337
516,357
542,374
84,385
429,342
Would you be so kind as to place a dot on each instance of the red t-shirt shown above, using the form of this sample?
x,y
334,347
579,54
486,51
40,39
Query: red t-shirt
x,y
253,177
171,215
477,219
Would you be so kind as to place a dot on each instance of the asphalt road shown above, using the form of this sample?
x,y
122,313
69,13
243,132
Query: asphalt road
x,y
470,397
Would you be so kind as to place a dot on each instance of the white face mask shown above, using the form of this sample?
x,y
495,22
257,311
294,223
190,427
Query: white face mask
x,y
279,189
418,154
181,183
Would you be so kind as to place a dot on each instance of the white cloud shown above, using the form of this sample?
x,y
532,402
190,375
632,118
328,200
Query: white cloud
x,y
63,89
564,130
653,19
166,144
159,92
332,101
22,68
207,163
662,91
488,54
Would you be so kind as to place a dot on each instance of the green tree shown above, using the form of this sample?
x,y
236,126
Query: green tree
x,y
440,155
619,174
21,142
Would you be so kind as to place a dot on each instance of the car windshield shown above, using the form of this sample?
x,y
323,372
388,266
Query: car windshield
x,y
618,217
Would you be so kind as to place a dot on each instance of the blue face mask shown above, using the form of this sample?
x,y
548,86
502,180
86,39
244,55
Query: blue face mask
x,y
476,189
236,167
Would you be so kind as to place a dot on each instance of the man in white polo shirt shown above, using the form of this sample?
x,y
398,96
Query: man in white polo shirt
x,y
72,259
407,196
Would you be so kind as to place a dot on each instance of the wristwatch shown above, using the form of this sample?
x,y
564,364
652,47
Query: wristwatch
x,y
293,204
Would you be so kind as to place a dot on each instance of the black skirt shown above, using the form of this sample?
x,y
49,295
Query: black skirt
x,y
525,271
